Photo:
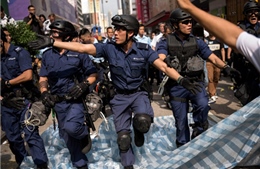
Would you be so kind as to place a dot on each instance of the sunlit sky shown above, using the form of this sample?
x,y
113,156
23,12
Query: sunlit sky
x,y
109,6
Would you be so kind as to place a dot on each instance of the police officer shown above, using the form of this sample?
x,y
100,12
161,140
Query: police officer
x,y
65,77
250,76
128,61
185,53
16,72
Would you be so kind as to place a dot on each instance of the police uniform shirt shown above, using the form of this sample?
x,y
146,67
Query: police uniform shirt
x,y
7,20
61,69
127,69
248,28
15,62
204,51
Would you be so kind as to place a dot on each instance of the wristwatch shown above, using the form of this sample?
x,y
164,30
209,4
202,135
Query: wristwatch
x,y
7,83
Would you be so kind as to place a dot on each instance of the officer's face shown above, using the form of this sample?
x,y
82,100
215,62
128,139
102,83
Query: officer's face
x,y
8,36
85,39
185,26
120,34
55,34
252,16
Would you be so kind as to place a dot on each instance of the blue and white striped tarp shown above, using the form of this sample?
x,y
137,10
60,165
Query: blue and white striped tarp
x,y
223,145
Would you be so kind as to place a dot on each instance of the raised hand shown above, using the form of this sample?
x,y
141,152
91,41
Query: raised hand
x,y
184,4
41,42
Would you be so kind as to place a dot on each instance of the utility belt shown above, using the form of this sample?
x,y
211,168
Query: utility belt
x,y
128,92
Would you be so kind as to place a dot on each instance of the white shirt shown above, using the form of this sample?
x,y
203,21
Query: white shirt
x,y
156,39
143,39
249,46
46,26
7,19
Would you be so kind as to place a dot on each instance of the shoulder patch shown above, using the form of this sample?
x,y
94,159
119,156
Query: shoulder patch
x,y
46,49
18,49
142,45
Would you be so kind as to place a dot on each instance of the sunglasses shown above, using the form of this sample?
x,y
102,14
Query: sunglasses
x,y
251,12
186,22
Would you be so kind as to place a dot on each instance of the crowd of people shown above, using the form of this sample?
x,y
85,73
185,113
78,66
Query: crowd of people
x,y
70,69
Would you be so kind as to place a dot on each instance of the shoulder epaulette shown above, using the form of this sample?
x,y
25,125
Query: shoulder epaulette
x,y
18,49
142,45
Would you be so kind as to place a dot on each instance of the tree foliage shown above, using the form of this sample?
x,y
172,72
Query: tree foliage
x,y
22,35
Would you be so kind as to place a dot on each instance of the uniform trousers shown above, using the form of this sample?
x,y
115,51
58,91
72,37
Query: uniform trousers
x,y
72,129
12,124
180,110
123,107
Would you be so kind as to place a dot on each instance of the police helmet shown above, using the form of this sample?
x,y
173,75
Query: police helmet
x,y
127,21
178,15
66,27
3,36
250,5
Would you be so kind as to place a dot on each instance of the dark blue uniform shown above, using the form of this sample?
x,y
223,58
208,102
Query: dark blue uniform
x,y
15,62
61,71
199,101
128,71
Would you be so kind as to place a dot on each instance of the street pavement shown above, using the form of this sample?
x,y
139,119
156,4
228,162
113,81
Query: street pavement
x,y
225,105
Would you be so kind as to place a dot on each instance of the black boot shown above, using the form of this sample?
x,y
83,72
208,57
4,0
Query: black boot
x,y
178,144
84,167
129,167
86,144
43,166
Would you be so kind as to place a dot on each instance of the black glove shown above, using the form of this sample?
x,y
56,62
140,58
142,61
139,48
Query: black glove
x,y
11,101
41,42
194,88
48,100
77,90
228,71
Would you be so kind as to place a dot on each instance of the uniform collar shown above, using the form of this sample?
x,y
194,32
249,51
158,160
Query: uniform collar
x,y
248,24
10,50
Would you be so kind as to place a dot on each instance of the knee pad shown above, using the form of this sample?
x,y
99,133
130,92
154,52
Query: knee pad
x,y
142,122
124,141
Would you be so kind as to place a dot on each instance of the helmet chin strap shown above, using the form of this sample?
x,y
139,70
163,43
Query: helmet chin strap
x,y
126,40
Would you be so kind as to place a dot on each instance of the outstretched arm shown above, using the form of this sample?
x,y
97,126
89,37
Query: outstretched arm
x,y
76,47
44,41
224,30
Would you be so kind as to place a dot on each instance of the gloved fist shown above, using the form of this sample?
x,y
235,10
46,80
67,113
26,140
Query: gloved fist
x,y
77,90
48,100
194,88
228,71
11,101
41,42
